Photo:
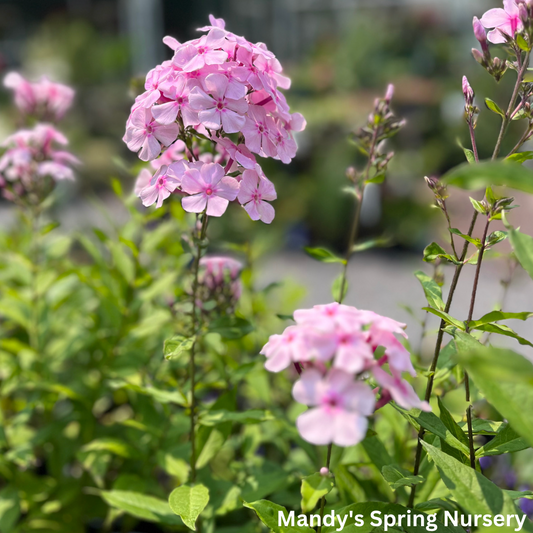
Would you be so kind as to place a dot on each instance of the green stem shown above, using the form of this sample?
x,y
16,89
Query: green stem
x,y
507,118
469,319
34,258
195,325
323,500
436,354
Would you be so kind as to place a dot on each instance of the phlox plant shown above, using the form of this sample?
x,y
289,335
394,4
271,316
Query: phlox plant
x,y
148,383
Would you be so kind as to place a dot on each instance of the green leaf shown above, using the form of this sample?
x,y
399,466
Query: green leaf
x,y
495,238
397,477
432,291
482,175
313,488
478,206
509,393
475,493
451,424
496,316
177,346
500,329
471,240
492,363
111,445
188,502
141,506
123,262
446,317
231,327
505,441
523,248
493,106
520,157
522,43
433,424
268,512
323,255
381,242
433,251
252,416
9,509
336,288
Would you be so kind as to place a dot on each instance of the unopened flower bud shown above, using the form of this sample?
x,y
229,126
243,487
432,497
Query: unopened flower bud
x,y
478,56
468,92
324,471
351,173
522,13
389,94
480,34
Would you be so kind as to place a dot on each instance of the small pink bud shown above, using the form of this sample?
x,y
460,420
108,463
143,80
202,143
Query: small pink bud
x,y
468,92
324,471
478,56
522,13
389,94
480,33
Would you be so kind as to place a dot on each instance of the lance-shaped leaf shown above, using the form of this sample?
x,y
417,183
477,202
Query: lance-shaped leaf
x,y
269,513
177,346
397,477
507,440
323,255
432,291
481,175
446,317
523,248
473,491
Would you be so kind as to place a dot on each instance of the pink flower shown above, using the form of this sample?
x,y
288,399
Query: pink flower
x,y
216,267
206,51
353,352
289,347
401,391
25,98
504,21
143,180
164,182
178,93
330,317
145,134
44,98
339,404
211,190
254,193
57,171
258,131
218,109
175,152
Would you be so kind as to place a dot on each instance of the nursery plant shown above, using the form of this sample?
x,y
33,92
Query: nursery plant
x,y
148,382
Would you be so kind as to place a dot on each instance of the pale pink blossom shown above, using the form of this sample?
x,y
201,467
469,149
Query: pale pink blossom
x,y
143,180
401,391
329,317
504,21
339,409
353,351
45,99
211,190
289,347
205,51
147,135
218,110
258,132
164,182
178,93
254,194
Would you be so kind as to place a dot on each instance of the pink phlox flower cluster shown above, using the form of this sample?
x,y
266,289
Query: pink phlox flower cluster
x,y
506,22
339,347
225,89
34,152
44,99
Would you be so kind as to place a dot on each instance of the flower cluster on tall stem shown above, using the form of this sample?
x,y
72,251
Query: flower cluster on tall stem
x,y
212,108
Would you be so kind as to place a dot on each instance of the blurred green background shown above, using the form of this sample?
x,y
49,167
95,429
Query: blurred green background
x,y
340,54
